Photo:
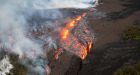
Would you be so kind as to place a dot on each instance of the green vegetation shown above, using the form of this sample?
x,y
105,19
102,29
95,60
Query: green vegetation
x,y
132,33
129,70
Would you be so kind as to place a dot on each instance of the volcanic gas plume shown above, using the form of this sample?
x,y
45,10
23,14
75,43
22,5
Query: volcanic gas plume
x,y
27,25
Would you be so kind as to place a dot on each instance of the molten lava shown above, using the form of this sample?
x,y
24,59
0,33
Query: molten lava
x,y
70,25
65,33
75,38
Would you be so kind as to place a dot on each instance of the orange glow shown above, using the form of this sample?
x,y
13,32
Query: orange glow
x,y
65,33
90,45
71,24
83,54
85,51
71,43
78,18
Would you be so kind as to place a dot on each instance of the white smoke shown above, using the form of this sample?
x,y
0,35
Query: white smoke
x,y
49,4
13,21
14,26
5,66
13,29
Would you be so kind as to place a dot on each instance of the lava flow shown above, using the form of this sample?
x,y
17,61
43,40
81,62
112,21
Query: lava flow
x,y
75,38
65,32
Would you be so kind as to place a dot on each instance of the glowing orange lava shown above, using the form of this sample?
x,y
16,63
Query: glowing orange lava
x,y
65,33
71,43
70,25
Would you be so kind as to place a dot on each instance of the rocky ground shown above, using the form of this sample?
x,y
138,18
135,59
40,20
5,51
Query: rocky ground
x,y
106,60
110,51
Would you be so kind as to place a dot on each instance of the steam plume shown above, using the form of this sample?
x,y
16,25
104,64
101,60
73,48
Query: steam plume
x,y
14,26
5,66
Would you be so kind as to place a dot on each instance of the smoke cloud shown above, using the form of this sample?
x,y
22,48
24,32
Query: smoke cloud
x,y
65,4
5,66
14,27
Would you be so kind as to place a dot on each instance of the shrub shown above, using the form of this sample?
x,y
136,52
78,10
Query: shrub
x,y
129,70
132,33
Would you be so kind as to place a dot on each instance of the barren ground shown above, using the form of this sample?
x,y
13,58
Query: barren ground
x,y
110,51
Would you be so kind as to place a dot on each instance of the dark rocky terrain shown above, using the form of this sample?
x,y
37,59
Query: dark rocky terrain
x,y
110,51
106,60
